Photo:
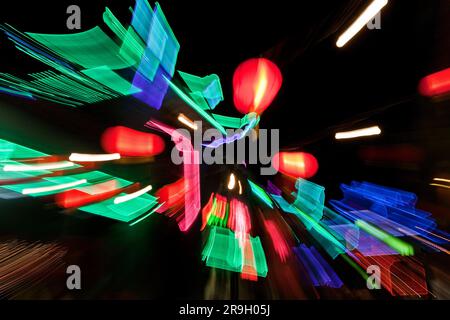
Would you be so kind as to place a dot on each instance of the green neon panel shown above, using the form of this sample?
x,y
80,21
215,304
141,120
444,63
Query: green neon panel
x,y
229,122
206,91
171,45
4,175
260,257
71,89
147,215
89,49
142,18
223,251
132,48
10,150
125,211
111,79
310,198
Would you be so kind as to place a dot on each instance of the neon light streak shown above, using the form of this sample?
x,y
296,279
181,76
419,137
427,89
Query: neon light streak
x,y
361,22
431,244
197,108
440,185
38,166
80,157
231,182
260,88
400,246
355,266
132,195
434,234
186,121
260,193
278,240
323,232
239,220
371,131
240,186
87,195
147,215
219,212
208,210
191,170
441,179
54,188
237,136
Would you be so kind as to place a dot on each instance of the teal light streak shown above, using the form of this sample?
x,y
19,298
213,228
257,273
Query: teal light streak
x,y
147,215
260,193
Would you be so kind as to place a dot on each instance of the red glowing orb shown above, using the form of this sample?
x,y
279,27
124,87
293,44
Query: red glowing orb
x,y
256,82
296,164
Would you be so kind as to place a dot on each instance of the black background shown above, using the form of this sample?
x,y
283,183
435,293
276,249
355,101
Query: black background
x,y
372,80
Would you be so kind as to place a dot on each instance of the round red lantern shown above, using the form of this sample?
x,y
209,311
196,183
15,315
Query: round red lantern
x,y
132,143
295,164
256,82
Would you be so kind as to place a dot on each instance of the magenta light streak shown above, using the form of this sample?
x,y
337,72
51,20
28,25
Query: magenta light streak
x,y
191,171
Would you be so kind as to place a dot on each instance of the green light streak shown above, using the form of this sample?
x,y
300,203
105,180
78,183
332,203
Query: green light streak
x,y
355,266
405,249
260,193
321,230
196,107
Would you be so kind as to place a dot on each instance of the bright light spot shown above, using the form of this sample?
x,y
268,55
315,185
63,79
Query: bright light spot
x,y
79,157
442,180
368,14
440,185
371,131
186,121
261,87
231,182
38,166
132,195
